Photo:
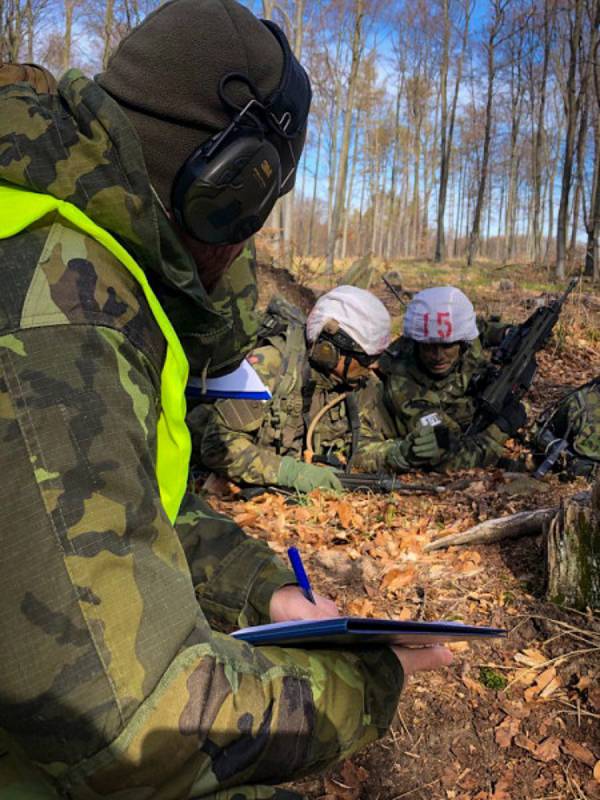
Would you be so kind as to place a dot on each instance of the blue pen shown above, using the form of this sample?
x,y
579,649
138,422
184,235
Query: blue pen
x,y
300,573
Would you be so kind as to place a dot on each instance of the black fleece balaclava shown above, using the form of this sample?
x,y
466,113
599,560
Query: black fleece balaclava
x,y
165,75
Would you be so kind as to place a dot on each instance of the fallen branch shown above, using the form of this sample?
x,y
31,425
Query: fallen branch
x,y
524,523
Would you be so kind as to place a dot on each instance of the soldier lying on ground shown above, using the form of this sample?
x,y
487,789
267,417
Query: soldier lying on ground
x,y
568,433
306,367
427,392
112,681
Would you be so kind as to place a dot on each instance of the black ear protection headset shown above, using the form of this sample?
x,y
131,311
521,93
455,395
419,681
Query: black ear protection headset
x,y
226,189
333,344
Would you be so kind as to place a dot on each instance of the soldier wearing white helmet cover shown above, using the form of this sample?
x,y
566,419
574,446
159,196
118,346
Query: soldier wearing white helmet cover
x,y
307,365
427,391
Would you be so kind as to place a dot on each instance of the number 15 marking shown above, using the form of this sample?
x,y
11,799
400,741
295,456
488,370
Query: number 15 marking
x,y
444,324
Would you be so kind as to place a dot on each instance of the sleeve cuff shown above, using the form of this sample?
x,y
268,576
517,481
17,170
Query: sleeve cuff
x,y
384,680
240,591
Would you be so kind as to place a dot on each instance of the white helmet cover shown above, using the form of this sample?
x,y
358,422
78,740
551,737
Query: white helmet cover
x,y
440,314
360,314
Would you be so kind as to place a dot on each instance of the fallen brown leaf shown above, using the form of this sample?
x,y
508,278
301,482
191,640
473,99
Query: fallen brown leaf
x,y
397,577
506,731
531,658
345,513
579,752
548,750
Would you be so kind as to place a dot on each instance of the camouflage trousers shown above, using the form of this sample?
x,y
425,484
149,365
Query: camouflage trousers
x,y
18,784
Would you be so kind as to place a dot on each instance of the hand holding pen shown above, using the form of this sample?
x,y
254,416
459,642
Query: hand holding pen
x,y
300,602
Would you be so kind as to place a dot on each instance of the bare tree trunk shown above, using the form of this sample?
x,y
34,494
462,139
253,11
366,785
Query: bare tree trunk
x,y
592,265
347,204
592,219
375,195
539,139
109,21
489,213
68,38
404,215
550,214
313,204
11,32
333,141
499,10
571,103
416,203
340,193
500,215
29,17
459,211
516,103
430,148
361,215
289,234
391,222
447,125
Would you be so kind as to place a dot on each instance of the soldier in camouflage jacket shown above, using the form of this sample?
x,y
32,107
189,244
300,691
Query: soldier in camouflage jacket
x,y
426,391
263,443
576,420
113,681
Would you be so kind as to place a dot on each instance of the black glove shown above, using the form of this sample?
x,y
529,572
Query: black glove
x,y
512,417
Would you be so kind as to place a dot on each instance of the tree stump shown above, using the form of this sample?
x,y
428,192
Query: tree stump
x,y
573,553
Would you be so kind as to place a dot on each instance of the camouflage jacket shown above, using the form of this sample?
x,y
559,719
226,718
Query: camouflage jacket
x,y
410,394
246,440
576,418
113,678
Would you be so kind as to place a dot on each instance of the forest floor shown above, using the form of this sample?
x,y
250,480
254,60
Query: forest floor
x,y
513,719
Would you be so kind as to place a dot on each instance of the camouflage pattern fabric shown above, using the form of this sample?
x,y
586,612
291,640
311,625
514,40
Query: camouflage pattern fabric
x,y
112,681
410,394
40,143
577,418
245,440
235,297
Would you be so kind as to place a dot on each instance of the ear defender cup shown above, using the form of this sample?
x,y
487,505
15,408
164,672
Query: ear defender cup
x,y
225,191
325,354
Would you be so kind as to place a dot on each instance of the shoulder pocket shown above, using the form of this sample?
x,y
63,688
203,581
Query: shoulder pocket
x,y
241,415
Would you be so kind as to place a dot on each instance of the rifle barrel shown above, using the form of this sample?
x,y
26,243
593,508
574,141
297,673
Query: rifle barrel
x,y
372,482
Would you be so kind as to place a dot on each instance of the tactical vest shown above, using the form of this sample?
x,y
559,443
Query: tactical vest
x,y
19,208
282,327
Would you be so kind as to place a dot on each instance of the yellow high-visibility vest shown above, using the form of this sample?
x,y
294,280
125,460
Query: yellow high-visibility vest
x,y
19,208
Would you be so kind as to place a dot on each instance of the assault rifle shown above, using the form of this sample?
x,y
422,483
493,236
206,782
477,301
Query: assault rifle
x,y
355,482
513,363
384,484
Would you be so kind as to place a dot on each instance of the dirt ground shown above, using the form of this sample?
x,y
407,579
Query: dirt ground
x,y
513,719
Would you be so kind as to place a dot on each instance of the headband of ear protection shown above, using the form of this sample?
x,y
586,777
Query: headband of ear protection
x,y
225,190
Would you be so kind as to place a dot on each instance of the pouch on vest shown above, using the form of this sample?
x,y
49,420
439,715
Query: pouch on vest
x,y
285,322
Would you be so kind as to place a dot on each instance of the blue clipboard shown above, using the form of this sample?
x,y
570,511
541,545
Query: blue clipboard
x,y
361,631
